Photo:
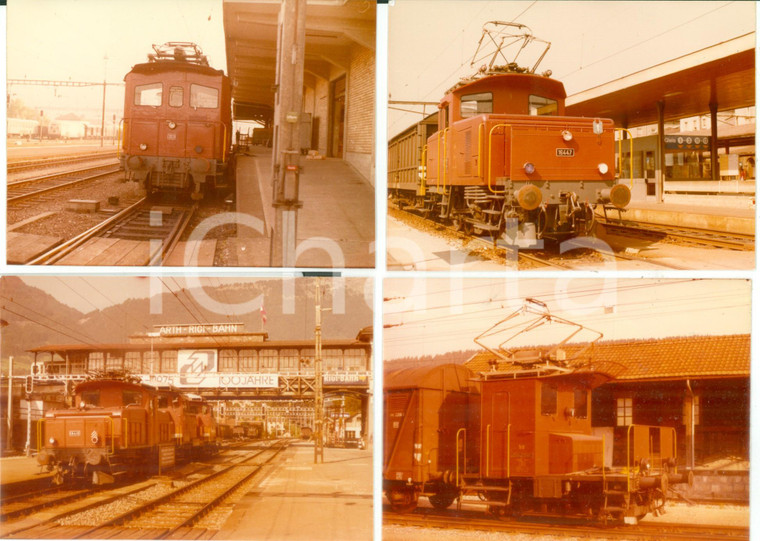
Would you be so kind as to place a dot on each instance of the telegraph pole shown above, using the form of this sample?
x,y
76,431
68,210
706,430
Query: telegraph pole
x,y
319,399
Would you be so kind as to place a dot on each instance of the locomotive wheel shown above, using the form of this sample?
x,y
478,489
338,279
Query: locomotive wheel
x,y
457,223
442,500
403,500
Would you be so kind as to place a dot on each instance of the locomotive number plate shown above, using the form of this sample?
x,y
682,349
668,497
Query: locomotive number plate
x,y
565,152
74,433
171,136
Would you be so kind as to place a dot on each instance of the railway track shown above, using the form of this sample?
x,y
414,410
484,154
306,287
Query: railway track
x,y
690,235
19,166
32,187
26,504
157,228
525,259
470,520
156,510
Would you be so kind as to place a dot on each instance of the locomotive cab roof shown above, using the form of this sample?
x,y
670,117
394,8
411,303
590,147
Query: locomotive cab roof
x,y
452,377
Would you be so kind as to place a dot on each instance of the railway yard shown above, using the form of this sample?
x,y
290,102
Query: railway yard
x,y
252,488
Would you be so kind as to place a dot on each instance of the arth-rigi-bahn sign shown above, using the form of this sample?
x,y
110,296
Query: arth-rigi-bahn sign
x,y
198,368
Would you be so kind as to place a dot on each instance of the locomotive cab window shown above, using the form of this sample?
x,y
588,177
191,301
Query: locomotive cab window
x,y
176,96
540,106
91,398
580,403
131,397
548,399
476,104
149,94
204,97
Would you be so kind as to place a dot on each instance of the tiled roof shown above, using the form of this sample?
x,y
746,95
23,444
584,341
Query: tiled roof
x,y
665,358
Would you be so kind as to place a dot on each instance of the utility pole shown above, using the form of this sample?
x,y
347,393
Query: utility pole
x,y
286,150
319,399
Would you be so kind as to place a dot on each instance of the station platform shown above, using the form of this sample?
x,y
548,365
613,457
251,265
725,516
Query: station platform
x,y
300,500
21,470
738,220
336,225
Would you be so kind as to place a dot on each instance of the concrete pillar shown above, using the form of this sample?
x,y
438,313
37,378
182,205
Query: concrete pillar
x,y
714,162
660,174
291,41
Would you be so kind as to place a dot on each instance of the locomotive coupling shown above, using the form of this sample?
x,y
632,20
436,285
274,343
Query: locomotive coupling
x,y
529,197
619,195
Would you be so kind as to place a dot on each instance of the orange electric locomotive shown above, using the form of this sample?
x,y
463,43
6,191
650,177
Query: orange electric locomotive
x,y
117,427
519,436
178,123
505,160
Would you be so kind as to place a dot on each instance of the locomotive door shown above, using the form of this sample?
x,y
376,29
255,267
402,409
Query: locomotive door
x,y
172,132
499,435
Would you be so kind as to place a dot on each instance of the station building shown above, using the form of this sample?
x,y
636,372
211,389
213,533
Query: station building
x,y
270,383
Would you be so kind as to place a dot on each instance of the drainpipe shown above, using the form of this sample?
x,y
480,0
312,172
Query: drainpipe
x,y
691,425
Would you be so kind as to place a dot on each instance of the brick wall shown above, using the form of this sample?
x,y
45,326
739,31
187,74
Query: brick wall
x,y
360,114
732,486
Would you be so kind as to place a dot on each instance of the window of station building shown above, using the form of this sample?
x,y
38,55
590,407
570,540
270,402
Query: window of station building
x,y
332,359
149,94
168,361
540,106
248,358
356,360
268,360
151,362
476,104
133,362
624,413
228,360
95,361
77,362
204,97
580,403
114,361
548,399
289,360
176,96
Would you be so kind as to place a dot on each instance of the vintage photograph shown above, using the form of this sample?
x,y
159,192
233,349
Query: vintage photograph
x,y
202,133
571,135
185,408
526,406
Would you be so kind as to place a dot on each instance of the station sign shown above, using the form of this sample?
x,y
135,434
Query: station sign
x,y
345,379
214,381
200,329
687,142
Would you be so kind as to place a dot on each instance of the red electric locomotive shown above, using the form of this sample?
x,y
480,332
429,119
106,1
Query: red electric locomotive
x,y
519,437
178,123
506,161
117,427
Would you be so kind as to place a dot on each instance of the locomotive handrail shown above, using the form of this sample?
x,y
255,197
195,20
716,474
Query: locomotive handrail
x,y
125,438
423,173
620,151
481,132
461,430
488,450
118,144
113,435
224,143
40,424
490,146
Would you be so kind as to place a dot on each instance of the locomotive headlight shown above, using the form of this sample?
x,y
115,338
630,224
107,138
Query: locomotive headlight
x,y
198,149
172,125
529,168
603,168
51,441
567,136
143,146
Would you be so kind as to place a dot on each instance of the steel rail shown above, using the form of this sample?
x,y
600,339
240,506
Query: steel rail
x,y
39,163
18,183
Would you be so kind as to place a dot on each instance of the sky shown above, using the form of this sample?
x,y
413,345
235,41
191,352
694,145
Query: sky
x,y
428,317
69,40
591,42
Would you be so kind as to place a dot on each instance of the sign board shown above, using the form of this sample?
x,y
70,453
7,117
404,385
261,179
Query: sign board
x,y
166,457
345,378
200,329
194,365
687,142
215,380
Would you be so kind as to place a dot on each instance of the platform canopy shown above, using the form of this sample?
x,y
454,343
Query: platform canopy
x,y
723,74
250,28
